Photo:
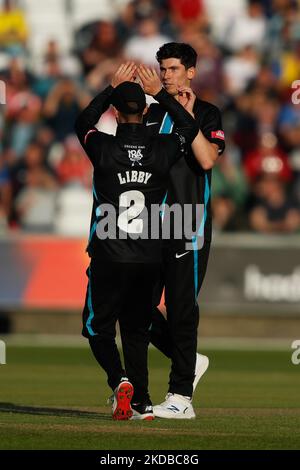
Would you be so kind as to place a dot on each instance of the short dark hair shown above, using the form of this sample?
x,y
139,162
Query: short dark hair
x,y
178,50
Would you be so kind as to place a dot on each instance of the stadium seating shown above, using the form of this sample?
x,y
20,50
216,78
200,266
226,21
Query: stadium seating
x,y
87,12
220,13
48,20
74,208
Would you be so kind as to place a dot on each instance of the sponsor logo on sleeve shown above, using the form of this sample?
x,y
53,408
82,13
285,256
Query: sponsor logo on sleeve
x,y
218,135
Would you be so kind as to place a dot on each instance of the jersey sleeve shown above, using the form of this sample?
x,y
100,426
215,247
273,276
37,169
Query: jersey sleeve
x,y
212,128
93,144
174,146
90,138
186,125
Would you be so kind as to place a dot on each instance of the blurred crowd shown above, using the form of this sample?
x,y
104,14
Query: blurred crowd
x,y
248,58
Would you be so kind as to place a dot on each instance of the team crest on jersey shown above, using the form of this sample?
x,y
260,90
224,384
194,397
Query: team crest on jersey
x,y
135,156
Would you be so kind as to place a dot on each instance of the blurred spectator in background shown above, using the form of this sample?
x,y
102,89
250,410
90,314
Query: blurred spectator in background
x,y
51,66
105,44
282,34
248,56
246,30
34,185
3,219
35,204
45,138
23,108
5,196
144,44
33,159
23,121
244,125
287,65
267,157
229,191
74,168
15,76
266,110
62,106
256,113
295,162
100,76
289,125
208,82
13,28
265,81
188,13
48,77
126,22
240,69
275,211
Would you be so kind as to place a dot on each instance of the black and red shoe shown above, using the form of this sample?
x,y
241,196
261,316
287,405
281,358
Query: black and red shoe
x,y
142,411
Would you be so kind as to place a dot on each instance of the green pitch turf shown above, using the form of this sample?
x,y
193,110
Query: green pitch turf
x,y
54,398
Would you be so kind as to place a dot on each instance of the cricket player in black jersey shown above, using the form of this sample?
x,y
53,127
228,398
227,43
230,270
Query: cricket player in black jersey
x,y
130,176
184,268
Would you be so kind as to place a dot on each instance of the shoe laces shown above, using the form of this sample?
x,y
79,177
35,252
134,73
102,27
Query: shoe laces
x,y
170,397
183,397
167,398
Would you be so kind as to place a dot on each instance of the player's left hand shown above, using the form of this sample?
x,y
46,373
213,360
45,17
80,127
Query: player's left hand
x,y
187,98
125,73
150,80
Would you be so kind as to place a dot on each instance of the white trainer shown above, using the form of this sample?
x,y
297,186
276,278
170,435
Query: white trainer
x,y
202,363
175,407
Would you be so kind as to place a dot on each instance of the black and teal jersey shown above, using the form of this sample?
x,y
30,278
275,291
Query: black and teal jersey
x,y
130,177
188,182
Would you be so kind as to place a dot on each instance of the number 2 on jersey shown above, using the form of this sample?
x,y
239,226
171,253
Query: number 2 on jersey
x,y
127,220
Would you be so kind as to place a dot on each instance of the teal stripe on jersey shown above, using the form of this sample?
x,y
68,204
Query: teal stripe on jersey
x,y
166,128
162,212
195,248
94,226
90,307
97,213
200,234
206,199
94,191
166,125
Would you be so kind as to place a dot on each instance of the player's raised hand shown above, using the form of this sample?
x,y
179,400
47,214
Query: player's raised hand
x,y
150,80
187,98
125,73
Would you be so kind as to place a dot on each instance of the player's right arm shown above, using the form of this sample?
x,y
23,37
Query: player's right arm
x,y
88,118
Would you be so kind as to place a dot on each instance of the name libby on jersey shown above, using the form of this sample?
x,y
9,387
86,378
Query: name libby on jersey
x,y
134,176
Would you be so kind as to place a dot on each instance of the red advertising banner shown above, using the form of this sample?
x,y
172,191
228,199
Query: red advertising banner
x,y
43,272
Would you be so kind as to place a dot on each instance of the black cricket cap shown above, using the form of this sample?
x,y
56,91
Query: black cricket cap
x,y
129,98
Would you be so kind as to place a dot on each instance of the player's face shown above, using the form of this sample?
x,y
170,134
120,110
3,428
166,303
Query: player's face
x,y
174,74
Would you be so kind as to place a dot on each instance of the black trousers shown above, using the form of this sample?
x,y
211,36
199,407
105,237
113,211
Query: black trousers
x,y
176,337
124,292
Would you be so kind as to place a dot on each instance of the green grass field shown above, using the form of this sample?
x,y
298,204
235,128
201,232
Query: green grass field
x,y
55,398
